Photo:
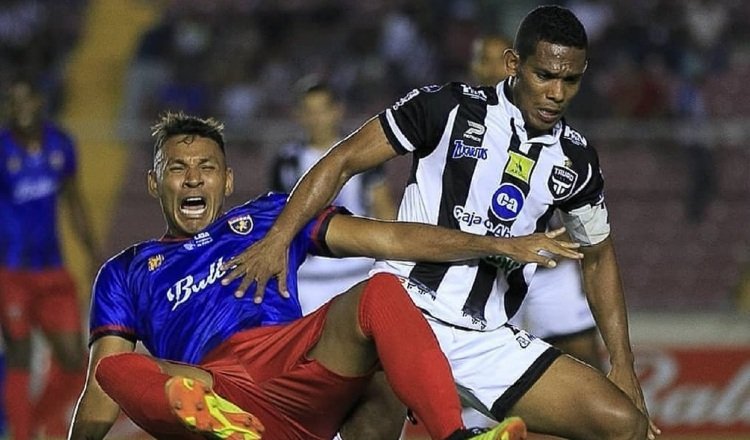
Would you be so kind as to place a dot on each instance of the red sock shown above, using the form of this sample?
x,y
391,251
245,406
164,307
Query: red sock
x,y
18,403
136,383
418,372
52,411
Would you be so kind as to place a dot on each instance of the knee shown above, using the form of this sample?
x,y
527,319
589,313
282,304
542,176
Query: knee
x,y
623,423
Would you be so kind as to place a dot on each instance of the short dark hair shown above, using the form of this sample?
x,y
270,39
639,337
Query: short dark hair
x,y
178,123
553,24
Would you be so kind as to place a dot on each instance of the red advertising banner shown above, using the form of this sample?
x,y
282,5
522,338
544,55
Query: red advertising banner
x,y
697,390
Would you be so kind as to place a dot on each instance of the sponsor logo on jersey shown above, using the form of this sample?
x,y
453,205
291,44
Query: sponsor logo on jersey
x,y
242,225
507,202
183,289
471,218
155,261
431,88
561,182
33,189
475,131
201,239
519,166
574,136
405,99
506,264
462,150
471,92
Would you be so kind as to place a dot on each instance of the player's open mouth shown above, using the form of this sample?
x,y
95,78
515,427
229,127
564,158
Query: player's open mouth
x,y
193,206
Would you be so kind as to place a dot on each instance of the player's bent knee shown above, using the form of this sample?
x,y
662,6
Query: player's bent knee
x,y
623,422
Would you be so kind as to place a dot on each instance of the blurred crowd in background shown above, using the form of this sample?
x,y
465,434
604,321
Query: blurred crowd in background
x,y
664,76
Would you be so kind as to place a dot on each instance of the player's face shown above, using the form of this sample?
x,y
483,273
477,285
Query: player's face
x,y
545,82
320,115
488,65
191,179
25,107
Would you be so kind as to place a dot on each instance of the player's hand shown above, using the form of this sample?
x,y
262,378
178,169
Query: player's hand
x,y
259,263
626,379
542,248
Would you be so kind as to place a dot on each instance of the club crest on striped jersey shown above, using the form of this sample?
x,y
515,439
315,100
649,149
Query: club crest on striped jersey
x,y
241,225
519,166
507,201
561,182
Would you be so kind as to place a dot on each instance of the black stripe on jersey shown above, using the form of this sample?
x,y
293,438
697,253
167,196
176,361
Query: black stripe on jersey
x,y
542,222
286,168
517,288
456,179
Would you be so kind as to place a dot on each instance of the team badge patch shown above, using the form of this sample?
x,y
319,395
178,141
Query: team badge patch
x,y
507,201
155,261
242,225
561,182
519,166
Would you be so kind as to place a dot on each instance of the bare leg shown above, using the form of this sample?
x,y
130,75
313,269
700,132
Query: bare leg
x,y
378,404
583,346
575,401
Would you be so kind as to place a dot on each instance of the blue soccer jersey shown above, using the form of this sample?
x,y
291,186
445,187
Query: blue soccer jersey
x,y
29,185
168,293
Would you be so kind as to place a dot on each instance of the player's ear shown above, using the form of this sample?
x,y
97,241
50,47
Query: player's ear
x,y
152,186
229,183
511,61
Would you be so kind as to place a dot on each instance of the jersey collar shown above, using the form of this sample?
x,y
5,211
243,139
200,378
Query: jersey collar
x,y
514,113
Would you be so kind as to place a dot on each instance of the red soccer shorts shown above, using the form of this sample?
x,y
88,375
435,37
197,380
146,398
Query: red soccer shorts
x,y
266,371
46,299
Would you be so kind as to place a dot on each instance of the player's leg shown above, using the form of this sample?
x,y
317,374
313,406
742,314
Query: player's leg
x,y
172,400
58,314
15,316
583,345
556,310
378,403
577,402
377,320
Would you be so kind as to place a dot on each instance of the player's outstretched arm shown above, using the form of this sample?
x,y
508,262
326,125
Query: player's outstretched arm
x,y
601,276
95,412
364,149
357,236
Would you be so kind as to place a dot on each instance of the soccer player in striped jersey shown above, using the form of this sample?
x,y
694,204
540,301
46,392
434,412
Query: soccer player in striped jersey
x,y
555,307
38,170
495,161
232,368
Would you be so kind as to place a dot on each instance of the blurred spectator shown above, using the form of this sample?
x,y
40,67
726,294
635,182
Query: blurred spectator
x,y
39,164
320,113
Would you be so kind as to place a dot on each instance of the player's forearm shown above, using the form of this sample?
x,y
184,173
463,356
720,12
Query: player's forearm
x,y
606,297
349,236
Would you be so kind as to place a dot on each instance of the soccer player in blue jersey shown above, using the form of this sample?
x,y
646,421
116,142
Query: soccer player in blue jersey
x,y
228,367
38,168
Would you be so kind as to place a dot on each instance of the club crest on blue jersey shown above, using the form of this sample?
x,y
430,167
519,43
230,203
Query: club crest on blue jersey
x,y
561,182
242,225
507,201
155,261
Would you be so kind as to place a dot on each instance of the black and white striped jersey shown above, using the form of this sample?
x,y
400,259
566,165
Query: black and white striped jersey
x,y
475,169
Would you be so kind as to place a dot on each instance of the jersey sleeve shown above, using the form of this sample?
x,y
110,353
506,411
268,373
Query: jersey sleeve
x,y
584,213
315,231
112,309
416,122
70,164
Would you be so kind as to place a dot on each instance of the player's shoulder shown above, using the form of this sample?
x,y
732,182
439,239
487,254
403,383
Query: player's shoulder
x,y
468,93
123,262
57,133
270,203
575,145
